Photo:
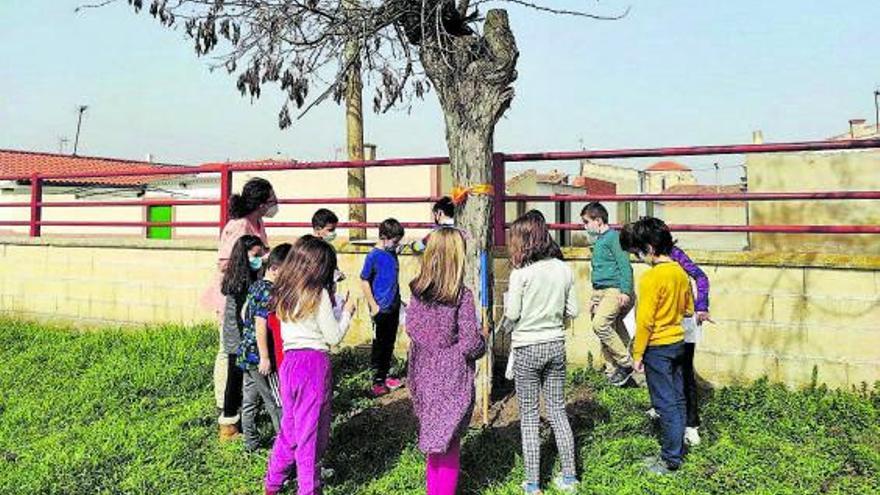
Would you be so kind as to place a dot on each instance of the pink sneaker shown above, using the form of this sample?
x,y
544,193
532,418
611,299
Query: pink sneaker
x,y
379,390
393,383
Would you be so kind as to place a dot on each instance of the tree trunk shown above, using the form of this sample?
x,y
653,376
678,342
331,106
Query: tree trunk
x,y
472,77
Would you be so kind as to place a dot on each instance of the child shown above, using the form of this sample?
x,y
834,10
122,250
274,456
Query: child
x,y
540,295
382,292
692,331
324,224
255,354
445,344
665,298
612,280
443,213
309,329
244,264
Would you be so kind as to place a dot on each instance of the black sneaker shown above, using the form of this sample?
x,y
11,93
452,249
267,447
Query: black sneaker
x,y
656,465
621,376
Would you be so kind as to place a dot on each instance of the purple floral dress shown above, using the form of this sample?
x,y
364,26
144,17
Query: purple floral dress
x,y
445,344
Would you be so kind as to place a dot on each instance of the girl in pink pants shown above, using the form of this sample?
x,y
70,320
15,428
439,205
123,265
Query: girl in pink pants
x,y
308,329
441,321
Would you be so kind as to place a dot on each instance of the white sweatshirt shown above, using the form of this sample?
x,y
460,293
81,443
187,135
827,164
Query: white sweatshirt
x,y
318,331
540,296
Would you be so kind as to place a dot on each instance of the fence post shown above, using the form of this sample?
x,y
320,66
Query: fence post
x,y
225,193
36,208
498,203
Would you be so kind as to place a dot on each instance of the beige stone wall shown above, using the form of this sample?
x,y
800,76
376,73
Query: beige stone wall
x,y
776,315
821,172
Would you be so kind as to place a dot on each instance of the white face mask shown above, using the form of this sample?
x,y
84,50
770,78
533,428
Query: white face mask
x,y
446,222
272,211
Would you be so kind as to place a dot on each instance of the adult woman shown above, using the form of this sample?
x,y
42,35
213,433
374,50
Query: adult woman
x,y
246,212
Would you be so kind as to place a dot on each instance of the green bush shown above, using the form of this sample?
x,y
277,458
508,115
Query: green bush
x,y
132,411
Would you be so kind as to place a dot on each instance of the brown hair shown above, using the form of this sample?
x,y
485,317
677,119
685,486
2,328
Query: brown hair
x,y
441,277
530,240
305,273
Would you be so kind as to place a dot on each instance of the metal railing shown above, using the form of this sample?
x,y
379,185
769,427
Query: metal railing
x,y
499,222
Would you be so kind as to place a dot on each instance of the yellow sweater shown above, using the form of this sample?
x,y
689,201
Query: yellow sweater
x,y
664,298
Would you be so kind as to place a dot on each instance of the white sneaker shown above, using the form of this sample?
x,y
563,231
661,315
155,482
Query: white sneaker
x,y
652,414
691,436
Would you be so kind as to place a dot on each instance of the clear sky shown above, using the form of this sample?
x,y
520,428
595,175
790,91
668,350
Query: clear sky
x,y
672,73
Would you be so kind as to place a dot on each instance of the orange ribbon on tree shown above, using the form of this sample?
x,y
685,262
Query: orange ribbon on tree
x,y
460,194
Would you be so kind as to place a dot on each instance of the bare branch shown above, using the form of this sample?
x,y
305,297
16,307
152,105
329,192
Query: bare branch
x,y
575,13
94,5
299,45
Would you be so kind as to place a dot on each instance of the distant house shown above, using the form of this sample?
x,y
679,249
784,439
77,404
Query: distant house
x,y
854,170
17,166
532,183
666,174
708,212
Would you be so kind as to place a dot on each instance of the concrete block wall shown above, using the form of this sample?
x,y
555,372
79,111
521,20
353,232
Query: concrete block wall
x,y
775,315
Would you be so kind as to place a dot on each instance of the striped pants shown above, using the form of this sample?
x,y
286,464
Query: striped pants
x,y
541,368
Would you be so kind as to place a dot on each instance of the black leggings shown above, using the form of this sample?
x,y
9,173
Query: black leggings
x,y
232,396
690,387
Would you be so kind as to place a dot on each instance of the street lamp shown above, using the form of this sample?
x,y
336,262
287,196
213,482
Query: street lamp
x,y
877,110
81,109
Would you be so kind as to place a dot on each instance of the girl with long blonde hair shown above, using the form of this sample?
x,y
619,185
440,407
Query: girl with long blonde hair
x,y
445,342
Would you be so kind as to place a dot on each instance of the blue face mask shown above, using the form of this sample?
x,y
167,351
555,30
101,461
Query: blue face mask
x,y
256,263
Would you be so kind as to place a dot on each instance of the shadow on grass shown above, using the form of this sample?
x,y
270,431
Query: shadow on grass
x,y
368,435
489,456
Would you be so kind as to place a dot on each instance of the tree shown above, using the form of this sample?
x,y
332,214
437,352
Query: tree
x,y
407,47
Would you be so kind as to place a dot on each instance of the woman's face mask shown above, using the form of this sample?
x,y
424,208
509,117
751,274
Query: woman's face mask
x,y
330,237
272,211
256,262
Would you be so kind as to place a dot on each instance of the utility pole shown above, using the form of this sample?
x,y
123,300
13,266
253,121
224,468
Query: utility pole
x,y
717,191
82,109
744,188
877,110
354,118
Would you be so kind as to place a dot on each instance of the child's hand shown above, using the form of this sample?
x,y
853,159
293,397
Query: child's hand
x,y
374,308
265,366
703,316
623,300
639,366
350,304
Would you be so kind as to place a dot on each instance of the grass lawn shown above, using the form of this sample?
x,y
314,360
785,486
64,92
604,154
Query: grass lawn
x,y
132,411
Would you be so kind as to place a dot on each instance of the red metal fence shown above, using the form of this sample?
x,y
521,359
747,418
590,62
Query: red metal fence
x,y
499,222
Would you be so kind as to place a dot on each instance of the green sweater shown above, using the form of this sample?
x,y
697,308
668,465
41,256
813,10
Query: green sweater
x,y
610,264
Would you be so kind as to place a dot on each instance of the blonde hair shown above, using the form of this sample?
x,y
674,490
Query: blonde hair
x,y
305,273
441,277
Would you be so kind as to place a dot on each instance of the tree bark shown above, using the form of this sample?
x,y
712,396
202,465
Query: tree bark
x,y
472,77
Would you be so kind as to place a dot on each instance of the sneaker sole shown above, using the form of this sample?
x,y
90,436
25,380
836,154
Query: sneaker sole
x,y
621,383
